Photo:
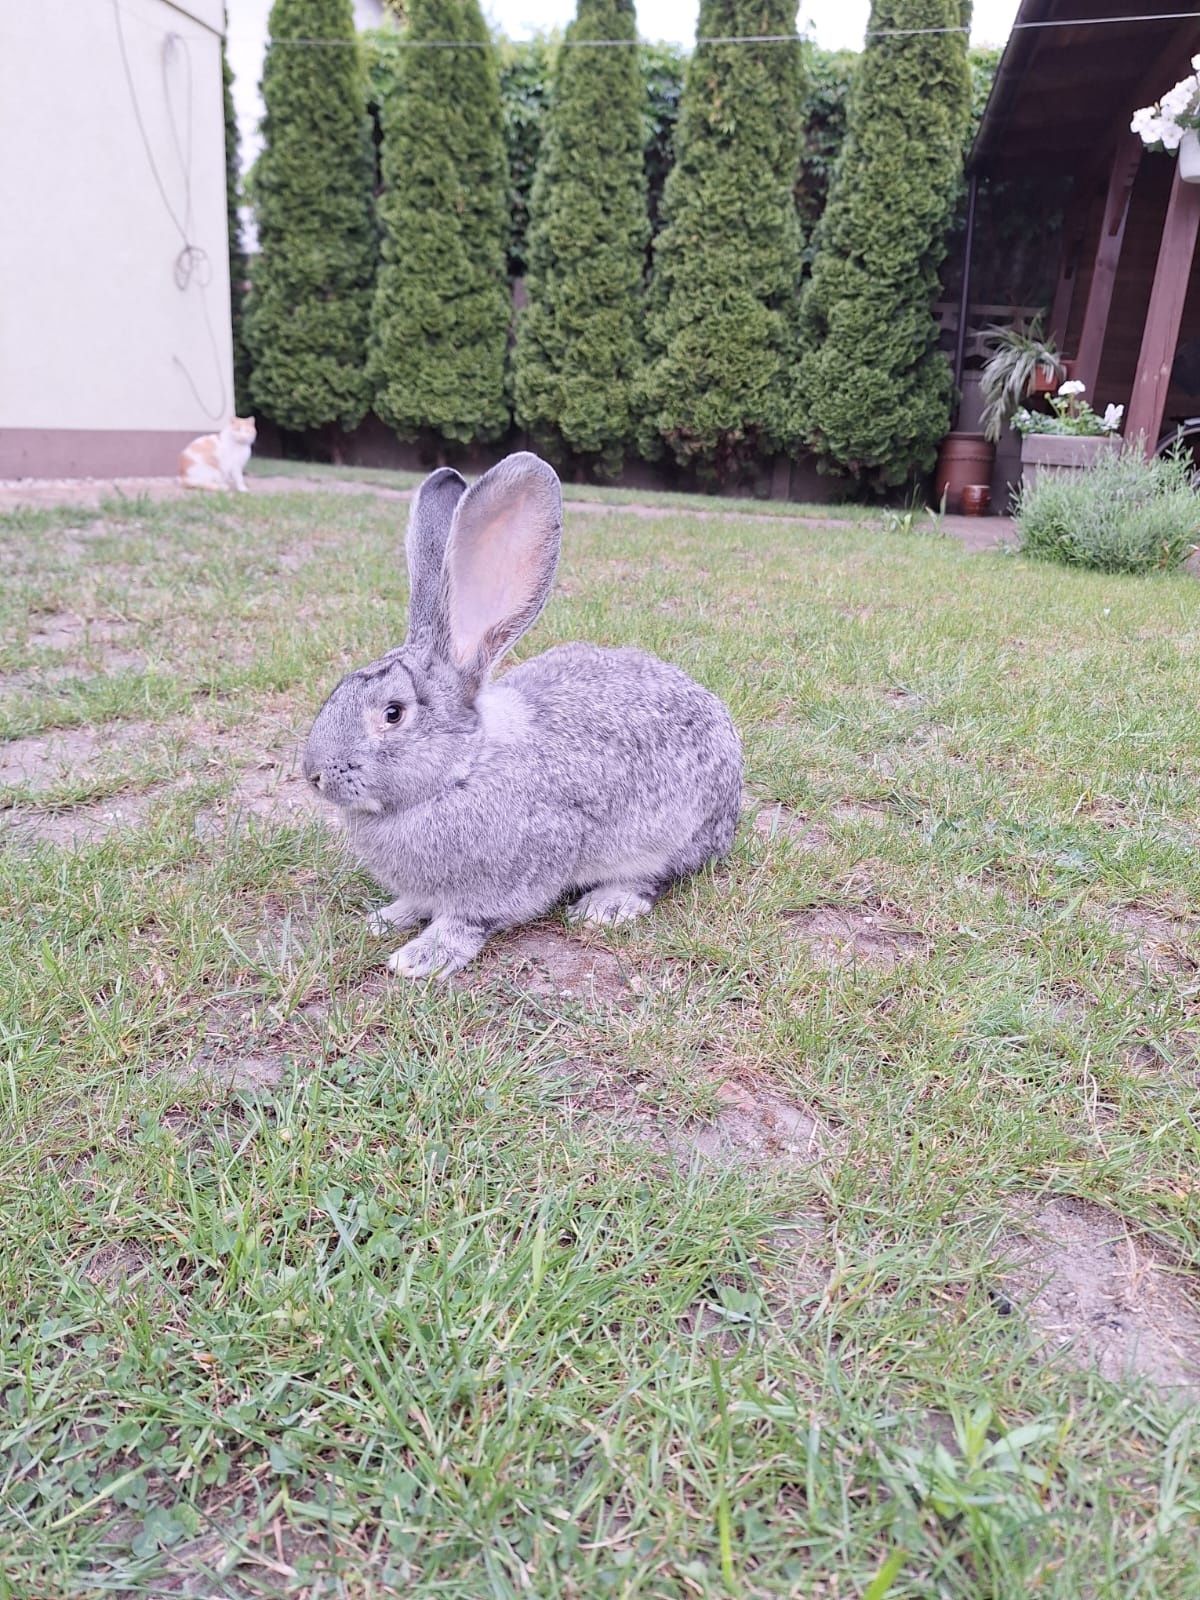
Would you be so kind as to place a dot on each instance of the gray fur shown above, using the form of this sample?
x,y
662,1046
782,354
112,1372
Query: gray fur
x,y
425,547
604,774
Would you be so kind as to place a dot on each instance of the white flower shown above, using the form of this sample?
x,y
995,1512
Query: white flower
x,y
1142,120
1170,134
1177,101
1111,419
1071,387
1196,63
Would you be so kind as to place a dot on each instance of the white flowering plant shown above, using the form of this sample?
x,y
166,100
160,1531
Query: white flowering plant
x,y
1163,125
1069,414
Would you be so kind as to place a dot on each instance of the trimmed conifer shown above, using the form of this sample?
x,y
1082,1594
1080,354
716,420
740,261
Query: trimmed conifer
x,y
728,263
237,253
306,318
875,391
442,308
579,347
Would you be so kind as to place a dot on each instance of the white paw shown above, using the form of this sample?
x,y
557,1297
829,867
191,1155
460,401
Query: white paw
x,y
400,914
609,906
429,956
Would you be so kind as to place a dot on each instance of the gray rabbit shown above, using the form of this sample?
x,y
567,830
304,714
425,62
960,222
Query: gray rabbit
x,y
605,774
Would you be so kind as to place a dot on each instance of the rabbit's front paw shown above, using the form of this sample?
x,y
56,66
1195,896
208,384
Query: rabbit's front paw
x,y
443,948
609,904
400,913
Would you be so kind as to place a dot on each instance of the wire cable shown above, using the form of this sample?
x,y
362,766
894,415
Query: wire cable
x,y
192,263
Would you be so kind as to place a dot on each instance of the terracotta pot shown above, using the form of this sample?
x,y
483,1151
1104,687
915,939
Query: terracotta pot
x,y
976,498
1046,380
964,458
1057,452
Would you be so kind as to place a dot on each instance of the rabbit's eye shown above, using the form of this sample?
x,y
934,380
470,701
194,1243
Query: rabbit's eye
x,y
393,713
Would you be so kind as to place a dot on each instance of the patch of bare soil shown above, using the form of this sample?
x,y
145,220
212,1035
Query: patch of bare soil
x,y
753,1127
547,963
16,492
66,630
779,822
276,790
1157,940
115,1267
263,483
44,758
1101,1297
847,936
80,824
234,1069
874,812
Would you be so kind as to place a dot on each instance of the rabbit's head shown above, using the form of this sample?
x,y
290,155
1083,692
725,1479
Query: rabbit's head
x,y
481,564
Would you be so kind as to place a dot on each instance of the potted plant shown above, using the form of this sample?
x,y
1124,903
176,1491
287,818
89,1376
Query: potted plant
x,y
1070,437
1173,123
1018,361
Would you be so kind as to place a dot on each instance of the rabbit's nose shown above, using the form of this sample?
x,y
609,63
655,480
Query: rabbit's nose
x,y
315,779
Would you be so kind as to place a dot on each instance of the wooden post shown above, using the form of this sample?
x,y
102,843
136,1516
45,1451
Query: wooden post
x,y
1161,334
1126,161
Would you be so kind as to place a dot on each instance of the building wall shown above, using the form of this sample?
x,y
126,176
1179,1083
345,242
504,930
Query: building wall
x,y
107,363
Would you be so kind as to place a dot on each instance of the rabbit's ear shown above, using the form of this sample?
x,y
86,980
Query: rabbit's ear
x,y
501,560
425,546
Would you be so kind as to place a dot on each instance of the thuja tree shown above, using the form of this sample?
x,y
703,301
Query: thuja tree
x,y
237,253
875,390
307,315
579,341
728,262
440,320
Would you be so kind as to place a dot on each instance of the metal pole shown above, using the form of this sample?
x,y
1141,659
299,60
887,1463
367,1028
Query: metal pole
x,y
964,298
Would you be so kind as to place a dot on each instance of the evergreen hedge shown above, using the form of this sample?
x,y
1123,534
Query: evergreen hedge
x,y
442,308
875,391
237,253
728,262
307,314
579,350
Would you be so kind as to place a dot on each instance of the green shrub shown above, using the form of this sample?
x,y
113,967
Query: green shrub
x,y
580,351
526,68
306,317
237,253
442,308
728,262
1125,514
827,93
875,390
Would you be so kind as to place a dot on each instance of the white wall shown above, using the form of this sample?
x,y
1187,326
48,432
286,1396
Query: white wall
x,y
94,332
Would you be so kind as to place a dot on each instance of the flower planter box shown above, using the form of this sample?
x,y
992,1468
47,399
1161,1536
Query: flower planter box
x,y
1059,452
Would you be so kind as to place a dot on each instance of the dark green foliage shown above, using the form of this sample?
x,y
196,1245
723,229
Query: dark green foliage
x,y
829,77
728,263
306,319
663,66
580,350
875,390
440,320
237,254
525,72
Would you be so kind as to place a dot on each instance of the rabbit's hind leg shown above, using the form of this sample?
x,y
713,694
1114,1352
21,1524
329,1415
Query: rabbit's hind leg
x,y
610,903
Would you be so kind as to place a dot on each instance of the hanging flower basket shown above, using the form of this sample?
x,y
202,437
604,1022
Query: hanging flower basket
x,y
1172,124
1189,157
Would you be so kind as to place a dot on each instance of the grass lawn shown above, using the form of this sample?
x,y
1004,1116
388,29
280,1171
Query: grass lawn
x,y
832,1232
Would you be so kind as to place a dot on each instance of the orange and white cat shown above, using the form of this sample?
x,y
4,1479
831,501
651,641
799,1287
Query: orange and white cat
x,y
218,460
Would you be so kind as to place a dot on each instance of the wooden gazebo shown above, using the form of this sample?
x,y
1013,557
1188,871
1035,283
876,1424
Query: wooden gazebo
x,y
1126,296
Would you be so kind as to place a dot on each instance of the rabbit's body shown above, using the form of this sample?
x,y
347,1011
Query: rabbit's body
x,y
535,808
603,773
